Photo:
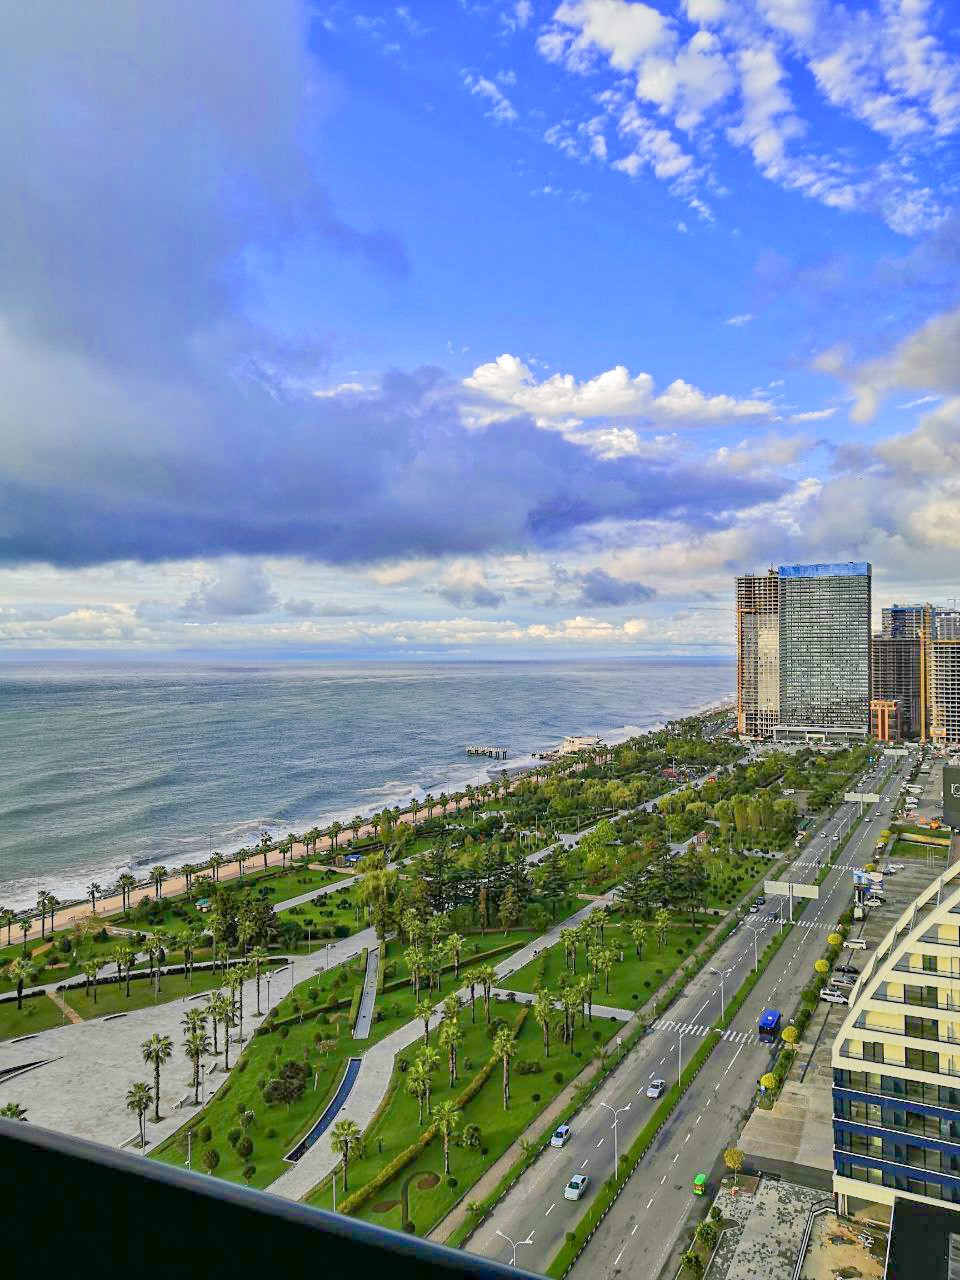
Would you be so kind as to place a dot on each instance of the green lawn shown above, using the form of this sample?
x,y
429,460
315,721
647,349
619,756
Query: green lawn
x,y
430,1196
632,980
907,849
732,875
38,1013
277,1127
51,962
112,998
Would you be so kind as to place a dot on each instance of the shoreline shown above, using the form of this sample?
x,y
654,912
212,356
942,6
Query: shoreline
x,y
76,905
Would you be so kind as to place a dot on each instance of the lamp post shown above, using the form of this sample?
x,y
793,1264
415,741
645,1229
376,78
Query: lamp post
x,y
203,1084
514,1245
616,1120
723,974
679,1057
269,1006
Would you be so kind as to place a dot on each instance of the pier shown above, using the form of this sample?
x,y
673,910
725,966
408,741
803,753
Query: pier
x,y
495,753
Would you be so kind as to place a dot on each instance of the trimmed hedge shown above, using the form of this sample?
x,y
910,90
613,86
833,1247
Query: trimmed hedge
x,y
409,1154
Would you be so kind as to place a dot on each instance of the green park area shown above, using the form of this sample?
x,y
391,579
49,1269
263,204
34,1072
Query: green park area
x,y
399,1177
902,849
39,1013
620,976
111,998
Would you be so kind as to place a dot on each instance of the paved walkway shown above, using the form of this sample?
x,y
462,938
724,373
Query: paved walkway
x,y
527,997
82,1091
369,997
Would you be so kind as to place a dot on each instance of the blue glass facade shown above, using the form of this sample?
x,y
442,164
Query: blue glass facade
x,y
847,569
884,1136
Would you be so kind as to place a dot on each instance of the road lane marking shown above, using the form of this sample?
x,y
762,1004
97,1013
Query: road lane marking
x,y
663,1180
634,1231
619,1256
584,1165
687,1138
551,1209
601,1142
676,1157
698,1119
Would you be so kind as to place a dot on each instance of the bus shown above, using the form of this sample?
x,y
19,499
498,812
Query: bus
x,y
768,1027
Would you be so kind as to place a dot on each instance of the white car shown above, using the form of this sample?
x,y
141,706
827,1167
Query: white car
x,y
656,1088
575,1187
857,944
833,997
561,1136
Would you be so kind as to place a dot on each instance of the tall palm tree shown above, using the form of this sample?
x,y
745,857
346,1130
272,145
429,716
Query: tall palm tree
x,y
8,918
429,804
446,1117
126,883
661,923
157,1052
544,1013
157,877
429,1059
258,957
568,940
417,1078
93,893
638,932
90,970
454,945
240,857
188,870
472,979
346,1141
42,899
424,1011
52,905
25,924
488,977
451,1037
414,809
139,1098
216,862
503,1048
196,1046
21,971
356,822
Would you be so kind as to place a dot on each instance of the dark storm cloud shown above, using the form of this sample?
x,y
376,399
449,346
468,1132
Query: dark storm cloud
x,y
598,590
148,151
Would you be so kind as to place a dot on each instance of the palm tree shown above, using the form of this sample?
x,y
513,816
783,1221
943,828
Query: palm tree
x,y
451,1037
472,979
429,804
429,1059
216,862
346,1141
638,932
42,899
90,970
157,877
543,1012
13,1111
605,962
356,822
258,957
7,917
139,1098
24,930
240,857
52,905
487,975
217,1003
93,893
416,963
568,940
335,830
503,1047
157,1051
417,1080
126,883
196,1046
414,810
21,971
447,1120
454,945
424,1011
661,923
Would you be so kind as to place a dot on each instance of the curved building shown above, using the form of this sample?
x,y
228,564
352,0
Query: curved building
x,y
896,1061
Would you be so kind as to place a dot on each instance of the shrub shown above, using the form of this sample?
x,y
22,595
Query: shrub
x,y
206,1133
410,1228
234,1136
451,1181
249,1173
244,1148
211,1158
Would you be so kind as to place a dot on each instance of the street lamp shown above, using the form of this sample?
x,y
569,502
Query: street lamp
x,y
203,1084
680,1057
616,1119
514,1245
723,974
269,1006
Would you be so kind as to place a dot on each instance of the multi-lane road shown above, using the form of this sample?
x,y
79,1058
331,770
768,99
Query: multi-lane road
x,y
644,1228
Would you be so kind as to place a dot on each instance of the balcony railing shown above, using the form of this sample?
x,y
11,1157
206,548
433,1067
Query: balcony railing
x,y
942,1070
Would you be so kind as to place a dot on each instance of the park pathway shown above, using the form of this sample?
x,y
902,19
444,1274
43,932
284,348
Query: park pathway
x,y
369,998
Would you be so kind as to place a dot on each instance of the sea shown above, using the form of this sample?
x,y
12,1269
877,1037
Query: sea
x,y
112,768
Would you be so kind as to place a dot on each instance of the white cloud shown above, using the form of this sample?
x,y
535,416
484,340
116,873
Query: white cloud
x,y
814,415
507,386
739,321
625,30
772,450
928,360
501,108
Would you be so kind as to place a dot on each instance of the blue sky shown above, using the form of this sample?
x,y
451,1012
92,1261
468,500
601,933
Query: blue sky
x,y
469,329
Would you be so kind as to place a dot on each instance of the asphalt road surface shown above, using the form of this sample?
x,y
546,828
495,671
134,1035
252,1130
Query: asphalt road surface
x,y
643,1229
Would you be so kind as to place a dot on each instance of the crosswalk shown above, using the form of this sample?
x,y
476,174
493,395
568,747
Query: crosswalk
x,y
701,1029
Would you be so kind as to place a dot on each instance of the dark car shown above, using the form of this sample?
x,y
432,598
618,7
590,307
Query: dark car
x,y
850,969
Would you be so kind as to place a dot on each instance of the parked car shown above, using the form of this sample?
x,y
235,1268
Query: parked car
x,y
844,981
761,902
575,1187
656,1088
561,1136
754,907
847,968
832,996
857,944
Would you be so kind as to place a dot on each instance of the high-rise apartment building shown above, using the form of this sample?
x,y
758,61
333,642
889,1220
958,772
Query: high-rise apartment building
x,y
803,650
758,653
915,662
825,647
896,1062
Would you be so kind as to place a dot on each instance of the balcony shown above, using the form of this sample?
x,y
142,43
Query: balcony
x,y
891,1067
943,1037
124,1213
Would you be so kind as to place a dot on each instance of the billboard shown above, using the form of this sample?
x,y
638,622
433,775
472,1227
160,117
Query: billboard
x,y
785,886
951,796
